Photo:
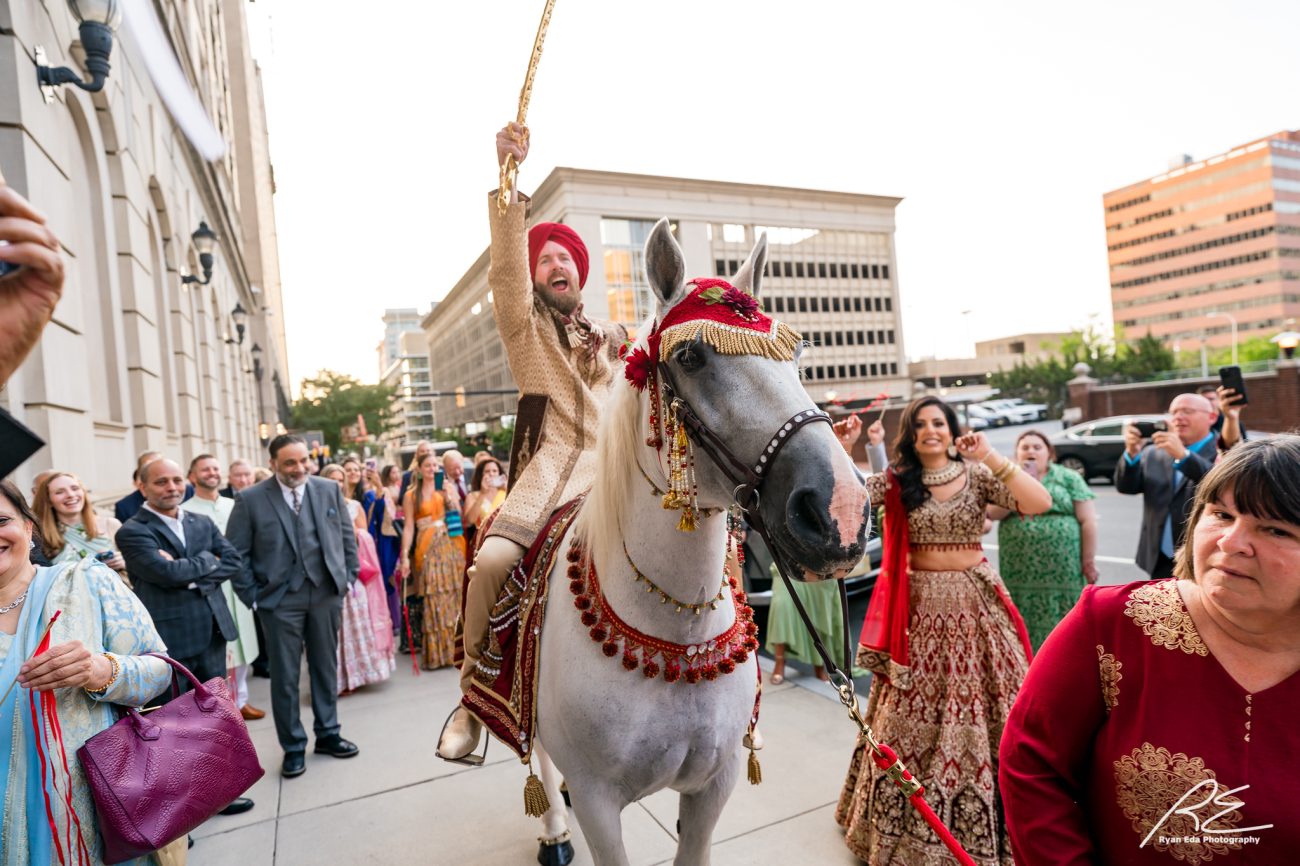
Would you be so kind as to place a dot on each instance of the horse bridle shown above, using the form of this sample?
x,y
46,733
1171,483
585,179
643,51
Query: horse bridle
x,y
748,478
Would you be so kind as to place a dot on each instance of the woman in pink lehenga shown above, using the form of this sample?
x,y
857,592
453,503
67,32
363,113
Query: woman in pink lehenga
x,y
363,659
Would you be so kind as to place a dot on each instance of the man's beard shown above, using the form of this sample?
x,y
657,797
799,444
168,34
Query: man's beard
x,y
562,302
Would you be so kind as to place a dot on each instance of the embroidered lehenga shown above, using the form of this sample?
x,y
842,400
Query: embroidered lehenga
x,y
1126,712
437,570
943,706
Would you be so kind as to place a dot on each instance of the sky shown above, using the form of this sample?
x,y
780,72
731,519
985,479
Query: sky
x,y
1000,124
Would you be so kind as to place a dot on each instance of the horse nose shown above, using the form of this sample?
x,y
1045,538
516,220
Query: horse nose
x,y
808,517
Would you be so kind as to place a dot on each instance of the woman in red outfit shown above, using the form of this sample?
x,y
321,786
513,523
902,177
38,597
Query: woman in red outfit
x,y
1158,724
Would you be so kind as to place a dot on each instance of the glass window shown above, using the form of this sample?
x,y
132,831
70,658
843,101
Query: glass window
x,y
1112,429
854,270
803,305
857,305
889,305
732,233
821,270
787,269
798,269
835,305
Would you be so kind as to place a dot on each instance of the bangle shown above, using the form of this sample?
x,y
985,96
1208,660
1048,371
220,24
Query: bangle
x,y
1005,471
117,668
985,458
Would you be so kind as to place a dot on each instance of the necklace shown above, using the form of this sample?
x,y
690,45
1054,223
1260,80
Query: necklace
x,y
664,598
704,512
16,603
940,477
705,660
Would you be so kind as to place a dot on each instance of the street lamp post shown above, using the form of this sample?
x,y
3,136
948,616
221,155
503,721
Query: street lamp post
x,y
1287,340
1232,320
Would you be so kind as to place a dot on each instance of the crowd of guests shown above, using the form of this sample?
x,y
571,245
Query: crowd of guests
x,y
232,574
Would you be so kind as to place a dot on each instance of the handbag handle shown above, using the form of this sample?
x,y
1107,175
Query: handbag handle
x,y
204,699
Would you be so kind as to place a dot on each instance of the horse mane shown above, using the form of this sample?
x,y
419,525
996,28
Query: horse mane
x,y
599,525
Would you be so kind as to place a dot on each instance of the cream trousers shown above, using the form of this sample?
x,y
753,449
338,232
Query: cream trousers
x,y
491,569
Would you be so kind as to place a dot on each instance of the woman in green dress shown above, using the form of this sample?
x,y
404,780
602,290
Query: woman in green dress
x,y
1046,560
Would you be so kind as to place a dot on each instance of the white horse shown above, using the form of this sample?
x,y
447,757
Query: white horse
x,y
619,735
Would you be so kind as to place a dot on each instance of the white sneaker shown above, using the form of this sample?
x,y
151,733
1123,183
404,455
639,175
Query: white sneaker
x,y
459,737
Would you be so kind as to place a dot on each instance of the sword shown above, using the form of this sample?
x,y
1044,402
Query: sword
x,y
509,169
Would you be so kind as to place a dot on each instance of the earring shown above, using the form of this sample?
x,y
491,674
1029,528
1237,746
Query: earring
x,y
952,452
31,545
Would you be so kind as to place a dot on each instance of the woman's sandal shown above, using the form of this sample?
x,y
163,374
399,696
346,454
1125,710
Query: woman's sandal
x,y
776,679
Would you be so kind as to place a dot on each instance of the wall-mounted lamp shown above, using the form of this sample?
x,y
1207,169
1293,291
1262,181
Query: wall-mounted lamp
x,y
256,352
96,21
240,317
205,241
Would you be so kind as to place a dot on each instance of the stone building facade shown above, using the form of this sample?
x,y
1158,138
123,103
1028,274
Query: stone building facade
x,y
135,358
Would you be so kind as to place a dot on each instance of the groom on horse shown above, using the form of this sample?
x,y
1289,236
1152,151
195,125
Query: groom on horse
x,y
563,364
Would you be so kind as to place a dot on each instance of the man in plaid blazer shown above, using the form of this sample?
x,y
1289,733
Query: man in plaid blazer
x,y
177,561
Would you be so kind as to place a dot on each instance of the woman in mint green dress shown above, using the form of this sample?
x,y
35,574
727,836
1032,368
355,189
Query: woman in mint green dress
x,y
1046,560
786,635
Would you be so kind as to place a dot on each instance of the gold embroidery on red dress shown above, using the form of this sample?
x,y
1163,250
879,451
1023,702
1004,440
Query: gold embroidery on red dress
x,y
1158,610
1108,669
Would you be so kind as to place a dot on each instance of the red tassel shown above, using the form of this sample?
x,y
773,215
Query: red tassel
x,y
410,641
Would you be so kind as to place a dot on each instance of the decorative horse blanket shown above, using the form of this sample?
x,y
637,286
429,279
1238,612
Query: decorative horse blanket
x,y
503,692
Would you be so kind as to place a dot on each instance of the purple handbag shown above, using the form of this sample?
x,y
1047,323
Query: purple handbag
x,y
157,777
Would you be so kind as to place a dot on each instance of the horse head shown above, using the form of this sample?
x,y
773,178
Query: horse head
x,y
733,372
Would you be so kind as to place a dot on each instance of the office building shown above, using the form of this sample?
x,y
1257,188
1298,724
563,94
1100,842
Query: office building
x,y
1208,244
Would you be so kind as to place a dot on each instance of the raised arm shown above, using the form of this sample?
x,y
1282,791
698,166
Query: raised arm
x,y
508,272
1128,471
1030,497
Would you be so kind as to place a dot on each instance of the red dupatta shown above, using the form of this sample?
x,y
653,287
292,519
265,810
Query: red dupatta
x,y
884,631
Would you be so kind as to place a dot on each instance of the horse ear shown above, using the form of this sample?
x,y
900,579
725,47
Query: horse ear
x,y
665,266
750,276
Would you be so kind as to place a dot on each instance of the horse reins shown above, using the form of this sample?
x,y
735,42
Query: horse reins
x,y
748,479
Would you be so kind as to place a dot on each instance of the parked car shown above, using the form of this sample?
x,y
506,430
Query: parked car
x,y
979,418
1093,448
1016,411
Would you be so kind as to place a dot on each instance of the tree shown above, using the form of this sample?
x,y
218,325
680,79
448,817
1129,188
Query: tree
x,y
330,401
1111,357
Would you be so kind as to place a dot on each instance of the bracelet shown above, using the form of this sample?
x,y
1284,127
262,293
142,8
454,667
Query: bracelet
x,y
985,458
117,668
1006,470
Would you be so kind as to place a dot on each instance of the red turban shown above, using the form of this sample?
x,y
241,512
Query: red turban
x,y
565,237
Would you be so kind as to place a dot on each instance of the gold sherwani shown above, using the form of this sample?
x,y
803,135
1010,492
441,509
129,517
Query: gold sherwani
x,y
543,364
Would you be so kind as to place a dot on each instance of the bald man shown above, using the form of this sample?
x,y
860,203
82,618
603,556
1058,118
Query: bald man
x,y
128,505
1165,470
178,561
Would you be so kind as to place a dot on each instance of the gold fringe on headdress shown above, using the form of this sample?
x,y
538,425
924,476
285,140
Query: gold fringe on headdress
x,y
778,343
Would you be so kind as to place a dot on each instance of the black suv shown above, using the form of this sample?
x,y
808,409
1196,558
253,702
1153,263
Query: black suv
x,y
1092,449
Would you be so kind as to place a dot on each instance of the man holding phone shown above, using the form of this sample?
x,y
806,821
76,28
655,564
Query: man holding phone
x,y
1165,469
1230,397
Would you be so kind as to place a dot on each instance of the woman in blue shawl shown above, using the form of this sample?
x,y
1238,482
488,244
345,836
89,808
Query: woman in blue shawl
x,y
95,659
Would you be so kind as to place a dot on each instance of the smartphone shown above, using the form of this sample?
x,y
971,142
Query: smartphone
x,y
105,555
1230,377
1147,429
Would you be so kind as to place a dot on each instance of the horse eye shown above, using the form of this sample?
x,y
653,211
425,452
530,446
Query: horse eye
x,y
689,358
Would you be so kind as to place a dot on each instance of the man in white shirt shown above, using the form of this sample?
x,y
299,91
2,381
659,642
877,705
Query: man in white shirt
x,y
205,475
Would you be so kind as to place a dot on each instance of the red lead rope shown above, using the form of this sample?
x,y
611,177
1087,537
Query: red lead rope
x,y
887,760
45,724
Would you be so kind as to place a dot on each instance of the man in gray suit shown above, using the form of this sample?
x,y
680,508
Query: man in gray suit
x,y
1165,472
300,553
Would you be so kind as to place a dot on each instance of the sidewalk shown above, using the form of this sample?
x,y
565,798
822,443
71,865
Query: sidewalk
x,y
396,804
